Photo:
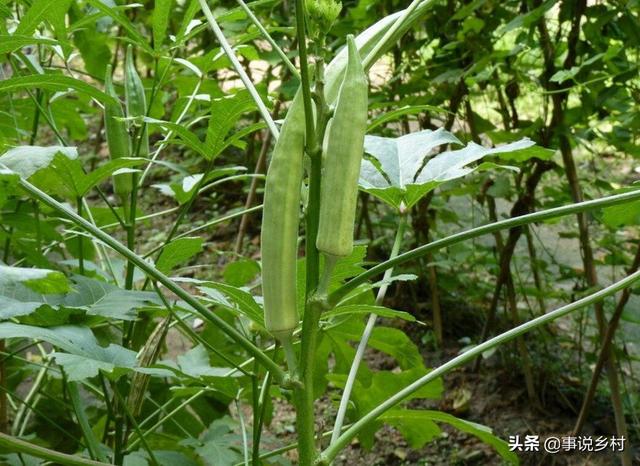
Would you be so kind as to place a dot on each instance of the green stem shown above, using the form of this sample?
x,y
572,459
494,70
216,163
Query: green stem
x,y
366,334
264,112
304,74
303,396
479,231
286,448
262,403
283,56
20,446
334,449
80,239
182,213
150,270
92,443
290,354
204,226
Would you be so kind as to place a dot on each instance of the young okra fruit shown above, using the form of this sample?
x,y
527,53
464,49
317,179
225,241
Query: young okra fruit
x,y
280,219
118,139
135,101
341,164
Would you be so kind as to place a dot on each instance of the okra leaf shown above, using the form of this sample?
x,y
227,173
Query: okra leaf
x,y
8,185
624,214
51,299
27,160
391,341
66,177
219,445
235,299
410,422
10,43
366,309
416,432
42,10
178,252
195,363
106,300
186,137
83,356
54,82
225,112
402,158
39,281
161,14
401,176
241,272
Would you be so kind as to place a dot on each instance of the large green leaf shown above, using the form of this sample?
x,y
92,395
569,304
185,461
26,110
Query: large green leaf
x,y
54,82
66,177
51,295
27,160
399,175
161,14
178,252
41,10
410,422
225,112
369,392
40,281
8,184
10,43
366,309
219,445
234,299
123,21
106,300
84,356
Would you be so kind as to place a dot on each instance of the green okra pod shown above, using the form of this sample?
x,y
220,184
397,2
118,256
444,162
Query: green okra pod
x,y
341,163
118,139
280,220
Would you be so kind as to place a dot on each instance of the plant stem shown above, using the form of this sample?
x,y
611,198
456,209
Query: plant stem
x,y
92,443
131,233
239,69
169,134
304,74
304,396
147,268
332,451
605,350
607,201
366,334
80,240
20,446
290,66
290,354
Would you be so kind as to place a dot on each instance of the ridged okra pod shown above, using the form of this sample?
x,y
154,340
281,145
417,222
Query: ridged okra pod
x,y
135,101
280,220
118,140
341,164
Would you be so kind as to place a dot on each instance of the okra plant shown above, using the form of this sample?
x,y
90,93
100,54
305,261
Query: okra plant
x,y
93,307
